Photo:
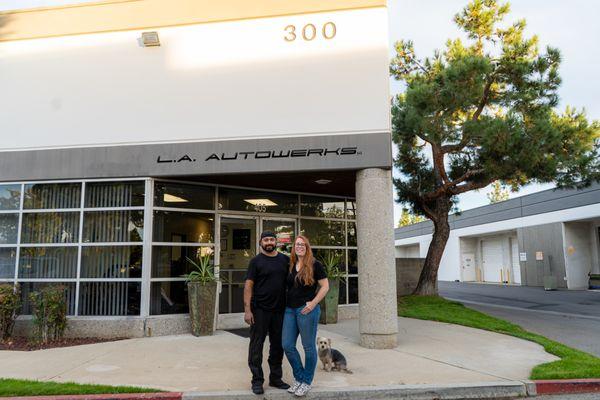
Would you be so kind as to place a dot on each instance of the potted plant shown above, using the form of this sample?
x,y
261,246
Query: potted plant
x,y
202,295
329,304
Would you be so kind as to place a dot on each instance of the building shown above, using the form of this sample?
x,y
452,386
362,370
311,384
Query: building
x,y
139,134
550,239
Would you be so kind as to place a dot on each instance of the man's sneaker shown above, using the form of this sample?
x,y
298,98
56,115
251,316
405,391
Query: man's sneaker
x,y
302,390
257,389
294,387
279,385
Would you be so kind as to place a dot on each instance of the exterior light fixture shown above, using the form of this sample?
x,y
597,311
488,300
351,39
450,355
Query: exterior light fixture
x,y
261,202
323,181
150,39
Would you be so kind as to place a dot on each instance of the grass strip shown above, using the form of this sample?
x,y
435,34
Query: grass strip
x,y
20,387
573,364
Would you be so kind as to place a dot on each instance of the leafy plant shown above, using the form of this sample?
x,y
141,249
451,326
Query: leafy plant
x,y
49,309
331,262
10,302
204,271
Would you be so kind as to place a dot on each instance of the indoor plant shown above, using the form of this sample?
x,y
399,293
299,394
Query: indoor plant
x,y
202,295
329,304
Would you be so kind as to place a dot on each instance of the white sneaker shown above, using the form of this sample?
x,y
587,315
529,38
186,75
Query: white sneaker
x,y
302,390
294,387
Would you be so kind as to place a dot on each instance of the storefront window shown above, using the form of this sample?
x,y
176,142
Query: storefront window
x,y
351,209
336,257
179,195
174,261
184,227
323,232
312,206
113,226
111,262
114,194
48,262
257,201
50,227
351,233
168,298
29,287
8,228
10,197
7,262
109,298
52,195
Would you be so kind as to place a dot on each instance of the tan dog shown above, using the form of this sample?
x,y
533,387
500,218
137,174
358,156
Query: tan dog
x,y
332,359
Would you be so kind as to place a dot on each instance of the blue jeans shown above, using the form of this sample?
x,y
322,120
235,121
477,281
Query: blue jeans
x,y
294,324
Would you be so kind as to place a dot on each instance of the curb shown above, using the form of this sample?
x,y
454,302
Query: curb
x,y
491,390
565,386
120,396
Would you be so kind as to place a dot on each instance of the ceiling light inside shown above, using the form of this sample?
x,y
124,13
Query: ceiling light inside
x,y
169,198
261,202
323,181
150,39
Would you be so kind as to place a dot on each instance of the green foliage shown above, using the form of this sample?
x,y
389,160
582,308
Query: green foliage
x,y
572,364
19,387
483,110
49,309
10,303
331,262
498,193
204,270
408,218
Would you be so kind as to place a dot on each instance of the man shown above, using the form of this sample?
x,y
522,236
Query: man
x,y
264,306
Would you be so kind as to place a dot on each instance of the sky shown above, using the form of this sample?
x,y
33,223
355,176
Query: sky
x,y
571,26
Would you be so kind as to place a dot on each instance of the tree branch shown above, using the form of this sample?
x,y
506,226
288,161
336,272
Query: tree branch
x,y
471,186
484,98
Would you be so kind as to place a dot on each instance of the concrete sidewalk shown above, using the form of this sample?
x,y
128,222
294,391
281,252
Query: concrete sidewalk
x,y
428,353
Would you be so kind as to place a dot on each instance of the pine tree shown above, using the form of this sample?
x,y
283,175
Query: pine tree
x,y
408,218
499,193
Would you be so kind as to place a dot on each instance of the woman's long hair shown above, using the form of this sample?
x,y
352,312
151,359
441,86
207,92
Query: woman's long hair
x,y
305,275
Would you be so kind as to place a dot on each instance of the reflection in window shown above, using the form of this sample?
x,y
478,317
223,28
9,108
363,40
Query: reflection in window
x,y
352,262
111,262
52,195
29,287
180,195
48,262
8,228
351,209
351,233
109,298
10,197
185,227
168,298
257,201
172,261
323,233
7,262
114,194
335,256
113,226
352,290
313,206
285,231
50,227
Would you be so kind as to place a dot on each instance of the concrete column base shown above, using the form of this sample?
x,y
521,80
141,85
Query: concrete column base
x,y
378,341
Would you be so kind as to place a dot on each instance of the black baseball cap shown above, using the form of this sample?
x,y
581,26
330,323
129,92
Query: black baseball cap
x,y
267,234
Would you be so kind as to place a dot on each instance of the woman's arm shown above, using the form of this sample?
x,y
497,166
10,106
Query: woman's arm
x,y
323,289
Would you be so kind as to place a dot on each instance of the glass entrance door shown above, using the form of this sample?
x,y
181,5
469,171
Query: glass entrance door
x,y
238,244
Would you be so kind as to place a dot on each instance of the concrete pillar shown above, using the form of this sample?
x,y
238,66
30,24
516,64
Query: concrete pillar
x,y
378,311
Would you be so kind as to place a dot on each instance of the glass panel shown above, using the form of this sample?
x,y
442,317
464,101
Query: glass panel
x,y
342,296
351,233
352,262
52,195
185,227
114,194
256,201
285,232
109,298
10,197
172,261
180,195
351,209
113,226
7,262
111,262
352,290
169,298
30,287
50,227
48,262
314,206
323,233
8,228
323,254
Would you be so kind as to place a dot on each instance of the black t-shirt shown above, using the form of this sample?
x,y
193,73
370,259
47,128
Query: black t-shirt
x,y
268,274
299,294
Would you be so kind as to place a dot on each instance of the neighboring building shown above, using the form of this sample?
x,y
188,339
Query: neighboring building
x,y
138,134
554,233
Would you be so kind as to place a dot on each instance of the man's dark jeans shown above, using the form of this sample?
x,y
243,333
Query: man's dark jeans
x,y
266,323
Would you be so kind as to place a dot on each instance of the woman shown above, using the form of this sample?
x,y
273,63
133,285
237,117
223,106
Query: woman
x,y
307,284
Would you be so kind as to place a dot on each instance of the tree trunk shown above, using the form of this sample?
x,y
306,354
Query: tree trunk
x,y
427,285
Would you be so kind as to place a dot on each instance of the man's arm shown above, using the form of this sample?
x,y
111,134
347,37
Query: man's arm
x,y
248,287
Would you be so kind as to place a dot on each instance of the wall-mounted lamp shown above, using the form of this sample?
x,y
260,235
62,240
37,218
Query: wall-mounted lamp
x,y
149,39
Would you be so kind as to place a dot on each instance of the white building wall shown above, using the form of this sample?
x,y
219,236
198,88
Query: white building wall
x,y
578,254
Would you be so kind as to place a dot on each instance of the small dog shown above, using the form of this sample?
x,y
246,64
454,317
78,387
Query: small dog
x,y
332,359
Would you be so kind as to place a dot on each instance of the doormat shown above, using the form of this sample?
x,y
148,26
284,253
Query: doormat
x,y
243,332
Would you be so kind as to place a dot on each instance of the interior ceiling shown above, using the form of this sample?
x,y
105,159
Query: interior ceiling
x,y
342,182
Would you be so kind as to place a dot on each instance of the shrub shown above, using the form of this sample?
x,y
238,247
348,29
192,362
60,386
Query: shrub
x,y
49,310
10,303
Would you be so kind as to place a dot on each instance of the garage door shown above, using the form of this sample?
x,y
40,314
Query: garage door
x,y
492,260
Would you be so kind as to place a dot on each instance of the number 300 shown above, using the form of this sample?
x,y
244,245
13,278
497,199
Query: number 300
x,y
309,32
